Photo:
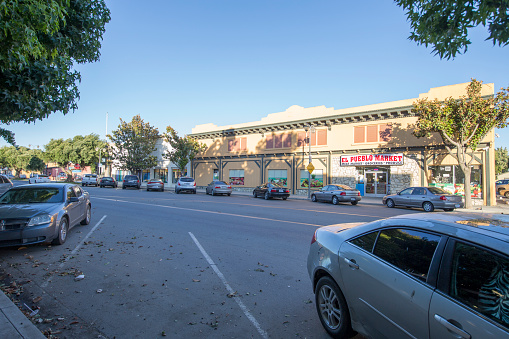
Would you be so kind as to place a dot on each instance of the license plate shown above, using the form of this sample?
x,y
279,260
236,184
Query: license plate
x,y
353,199
457,205
281,191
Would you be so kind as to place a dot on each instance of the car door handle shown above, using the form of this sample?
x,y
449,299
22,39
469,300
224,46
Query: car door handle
x,y
352,263
451,327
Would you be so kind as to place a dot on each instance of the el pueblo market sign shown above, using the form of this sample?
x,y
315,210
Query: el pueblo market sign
x,y
372,160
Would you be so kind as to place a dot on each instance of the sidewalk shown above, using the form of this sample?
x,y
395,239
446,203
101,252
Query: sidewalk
x,y
14,324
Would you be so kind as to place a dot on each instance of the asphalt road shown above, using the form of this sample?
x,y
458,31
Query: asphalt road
x,y
159,264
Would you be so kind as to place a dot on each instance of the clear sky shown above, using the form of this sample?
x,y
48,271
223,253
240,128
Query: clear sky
x,y
184,63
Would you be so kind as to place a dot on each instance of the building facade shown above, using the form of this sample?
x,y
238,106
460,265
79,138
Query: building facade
x,y
370,147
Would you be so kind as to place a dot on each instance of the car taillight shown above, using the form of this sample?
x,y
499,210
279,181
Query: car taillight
x,y
342,193
313,239
273,190
229,187
194,183
443,198
217,187
178,184
287,191
359,194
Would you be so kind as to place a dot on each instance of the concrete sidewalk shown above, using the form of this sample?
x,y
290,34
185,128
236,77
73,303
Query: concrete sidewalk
x,y
14,324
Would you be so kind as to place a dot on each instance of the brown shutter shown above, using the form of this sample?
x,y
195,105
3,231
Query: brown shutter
x,y
372,133
269,143
322,137
358,134
243,144
313,138
301,139
385,132
287,140
278,142
231,145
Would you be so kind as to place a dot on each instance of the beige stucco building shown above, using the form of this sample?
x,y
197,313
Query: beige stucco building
x,y
369,147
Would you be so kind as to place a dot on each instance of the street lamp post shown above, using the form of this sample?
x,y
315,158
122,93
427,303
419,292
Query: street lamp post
x,y
311,130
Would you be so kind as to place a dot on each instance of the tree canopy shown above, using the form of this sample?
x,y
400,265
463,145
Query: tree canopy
x,y
133,145
22,159
501,160
183,149
462,123
40,40
444,24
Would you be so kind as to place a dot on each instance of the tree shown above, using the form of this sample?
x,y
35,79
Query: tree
x,y
40,40
444,24
183,150
35,161
80,150
133,143
501,160
17,158
462,123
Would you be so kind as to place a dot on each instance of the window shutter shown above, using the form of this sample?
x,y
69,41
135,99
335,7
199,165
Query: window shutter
x,y
278,143
385,132
358,134
269,142
231,145
287,140
243,144
313,138
322,137
372,133
301,139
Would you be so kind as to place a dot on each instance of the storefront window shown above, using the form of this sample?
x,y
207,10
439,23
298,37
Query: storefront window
x,y
278,176
452,179
316,178
236,177
145,175
216,174
175,174
161,173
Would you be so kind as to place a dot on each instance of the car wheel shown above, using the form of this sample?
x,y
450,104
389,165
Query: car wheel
x,y
506,194
267,196
390,203
335,200
448,209
213,193
177,191
81,184
148,190
428,207
123,187
62,232
354,202
313,198
229,194
332,309
194,192
284,198
254,195
88,215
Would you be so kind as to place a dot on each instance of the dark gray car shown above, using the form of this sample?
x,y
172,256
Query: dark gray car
x,y
441,275
337,194
31,214
5,184
427,198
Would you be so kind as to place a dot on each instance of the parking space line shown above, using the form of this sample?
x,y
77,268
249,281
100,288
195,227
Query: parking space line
x,y
76,249
243,307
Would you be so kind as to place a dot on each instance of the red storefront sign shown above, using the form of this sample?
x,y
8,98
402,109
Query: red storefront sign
x,y
395,159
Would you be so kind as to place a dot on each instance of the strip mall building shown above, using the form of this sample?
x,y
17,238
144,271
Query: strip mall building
x,y
370,147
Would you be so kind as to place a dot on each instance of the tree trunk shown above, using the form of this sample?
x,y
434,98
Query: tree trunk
x,y
468,196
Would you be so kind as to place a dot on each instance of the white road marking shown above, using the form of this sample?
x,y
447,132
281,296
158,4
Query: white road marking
x,y
228,287
211,212
76,249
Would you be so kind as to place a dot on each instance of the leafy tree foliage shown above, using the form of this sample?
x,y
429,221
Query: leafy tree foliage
x,y
40,40
501,160
462,123
80,150
22,159
183,150
444,24
133,145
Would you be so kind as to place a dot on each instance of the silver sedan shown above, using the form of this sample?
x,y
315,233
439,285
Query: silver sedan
x,y
218,187
427,198
155,184
337,194
31,214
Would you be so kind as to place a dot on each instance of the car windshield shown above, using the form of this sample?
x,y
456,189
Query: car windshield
x,y
186,179
276,185
32,195
438,190
220,183
107,178
343,187
155,180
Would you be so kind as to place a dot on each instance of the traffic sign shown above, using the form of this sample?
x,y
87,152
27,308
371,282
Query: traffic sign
x,y
310,168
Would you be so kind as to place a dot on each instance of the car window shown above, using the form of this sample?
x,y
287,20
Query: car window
x,y
31,195
70,193
409,250
366,242
407,191
419,191
220,183
438,190
186,179
2,181
480,279
77,191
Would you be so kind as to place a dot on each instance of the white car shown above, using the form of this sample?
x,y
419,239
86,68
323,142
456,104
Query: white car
x,y
38,178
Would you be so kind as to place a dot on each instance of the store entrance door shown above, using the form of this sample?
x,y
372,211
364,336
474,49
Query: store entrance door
x,y
376,183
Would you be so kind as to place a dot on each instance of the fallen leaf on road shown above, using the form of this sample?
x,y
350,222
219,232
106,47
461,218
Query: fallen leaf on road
x,y
36,300
196,280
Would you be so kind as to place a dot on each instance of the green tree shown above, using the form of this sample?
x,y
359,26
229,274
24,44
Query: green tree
x,y
40,40
183,149
16,158
501,160
462,123
133,145
444,24
35,161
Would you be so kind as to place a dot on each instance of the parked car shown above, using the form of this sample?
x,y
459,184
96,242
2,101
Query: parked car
x,y
439,275
185,184
107,181
62,176
45,212
131,181
499,183
155,184
269,191
38,178
504,190
337,194
218,187
427,198
90,180
22,176
5,184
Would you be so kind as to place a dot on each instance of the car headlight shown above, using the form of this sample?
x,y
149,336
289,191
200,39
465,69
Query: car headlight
x,y
40,219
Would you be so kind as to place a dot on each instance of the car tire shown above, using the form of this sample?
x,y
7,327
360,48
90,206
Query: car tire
x,y
194,192
390,203
229,194
123,187
428,206
313,198
177,191
213,193
354,202
88,216
506,194
63,228
284,198
335,200
332,308
148,190
254,195
448,209
266,196
81,184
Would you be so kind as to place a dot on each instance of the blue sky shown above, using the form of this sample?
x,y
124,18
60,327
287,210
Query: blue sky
x,y
183,63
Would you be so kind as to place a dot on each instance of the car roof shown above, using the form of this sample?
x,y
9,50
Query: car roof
x,y
45,185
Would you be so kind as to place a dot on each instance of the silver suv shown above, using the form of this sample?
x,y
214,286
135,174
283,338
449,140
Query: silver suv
x,y
185,184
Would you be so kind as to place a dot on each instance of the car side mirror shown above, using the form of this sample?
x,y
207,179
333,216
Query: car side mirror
x,y
74,199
